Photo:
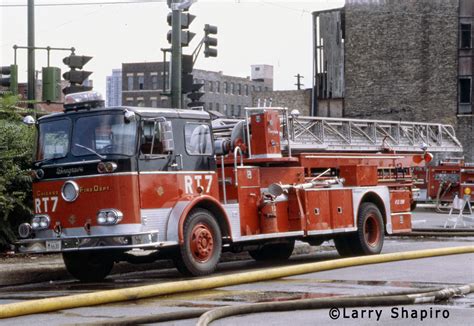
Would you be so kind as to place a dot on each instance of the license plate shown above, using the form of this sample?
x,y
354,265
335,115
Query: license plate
x,y
53,245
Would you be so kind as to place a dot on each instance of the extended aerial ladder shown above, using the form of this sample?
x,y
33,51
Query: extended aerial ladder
x,y
345,146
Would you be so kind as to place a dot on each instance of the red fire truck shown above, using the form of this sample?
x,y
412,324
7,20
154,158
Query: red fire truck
x,y
141,184
440,183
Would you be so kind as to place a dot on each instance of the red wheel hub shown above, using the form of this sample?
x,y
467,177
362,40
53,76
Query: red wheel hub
x,y
371,231
202,243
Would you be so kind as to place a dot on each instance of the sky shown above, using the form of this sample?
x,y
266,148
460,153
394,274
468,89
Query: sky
x,y
274,32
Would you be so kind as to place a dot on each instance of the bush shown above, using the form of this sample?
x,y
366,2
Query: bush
x,y
16,151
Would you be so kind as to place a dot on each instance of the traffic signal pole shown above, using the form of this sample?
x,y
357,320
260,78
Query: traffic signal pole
x,y
176,54
31,52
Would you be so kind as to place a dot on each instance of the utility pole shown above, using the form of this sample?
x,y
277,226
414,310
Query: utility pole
x,y
31,52
176,54
298,81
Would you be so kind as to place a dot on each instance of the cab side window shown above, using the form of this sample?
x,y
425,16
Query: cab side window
x,y
151,143
198,139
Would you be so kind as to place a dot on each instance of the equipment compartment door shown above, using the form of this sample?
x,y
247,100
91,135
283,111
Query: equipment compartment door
x,y
248,190
318,213
341,208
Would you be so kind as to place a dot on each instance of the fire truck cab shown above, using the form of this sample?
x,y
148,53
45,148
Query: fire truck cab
x,y
141,184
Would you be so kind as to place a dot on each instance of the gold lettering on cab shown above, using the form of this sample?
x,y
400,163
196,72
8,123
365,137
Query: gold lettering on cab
x,y
40,193
95,188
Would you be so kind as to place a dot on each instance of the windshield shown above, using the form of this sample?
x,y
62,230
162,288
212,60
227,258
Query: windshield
x,y
103,134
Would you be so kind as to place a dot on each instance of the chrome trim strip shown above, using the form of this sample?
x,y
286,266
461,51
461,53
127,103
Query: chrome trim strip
x,y
401,213
269,236
91,176
176,172
70,163
341,230
353,156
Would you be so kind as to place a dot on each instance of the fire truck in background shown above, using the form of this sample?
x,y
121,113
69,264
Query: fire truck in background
x,y
141,184
440,183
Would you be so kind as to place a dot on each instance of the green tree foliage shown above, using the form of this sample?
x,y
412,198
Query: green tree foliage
x,y
16,148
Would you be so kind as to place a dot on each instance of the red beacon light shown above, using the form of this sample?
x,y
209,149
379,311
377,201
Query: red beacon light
x,y
83,101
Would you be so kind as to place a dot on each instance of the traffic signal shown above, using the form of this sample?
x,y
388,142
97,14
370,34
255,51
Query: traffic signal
x,y
12,81
186,20
210,41
51,84
76,77
195,96
186,76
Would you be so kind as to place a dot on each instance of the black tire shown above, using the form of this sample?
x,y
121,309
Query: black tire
x,y
88,266
369,238
344,245
273,251
202,245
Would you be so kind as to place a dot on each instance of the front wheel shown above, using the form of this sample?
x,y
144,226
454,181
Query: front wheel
x,y
88,266
201,250
369,238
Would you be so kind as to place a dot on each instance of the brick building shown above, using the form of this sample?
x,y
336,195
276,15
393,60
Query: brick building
x,y
398,59
143,84
291,99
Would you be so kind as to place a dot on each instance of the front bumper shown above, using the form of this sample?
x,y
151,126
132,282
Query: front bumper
x,y
145,240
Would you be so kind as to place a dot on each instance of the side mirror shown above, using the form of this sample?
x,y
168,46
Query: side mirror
x,y
167,136
29,120
129,116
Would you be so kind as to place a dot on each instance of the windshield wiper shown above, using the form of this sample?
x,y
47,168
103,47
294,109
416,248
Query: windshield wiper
x,y
46,160
91,150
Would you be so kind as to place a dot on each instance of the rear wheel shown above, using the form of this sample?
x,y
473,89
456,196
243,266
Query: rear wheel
x,y
202,245
273,251
88,266
369,238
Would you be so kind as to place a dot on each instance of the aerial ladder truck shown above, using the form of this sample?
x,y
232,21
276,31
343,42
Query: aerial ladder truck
x,y
140,184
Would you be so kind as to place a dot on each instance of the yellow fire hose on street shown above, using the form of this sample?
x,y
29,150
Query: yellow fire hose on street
x,y
134,293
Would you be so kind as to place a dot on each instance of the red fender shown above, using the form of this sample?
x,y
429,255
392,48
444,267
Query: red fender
x,y
195,202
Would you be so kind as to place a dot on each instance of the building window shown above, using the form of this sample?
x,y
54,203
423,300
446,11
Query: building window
x,y
218,107
259,88
154,103
465,90
246,90
130,82
204,88
141,82
266,89
257,68
225,109
239,110
210,106
239,89
218,86
465,36
140,102
154,82
129,101
226,90
232,110
232,88
211,86
253,88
